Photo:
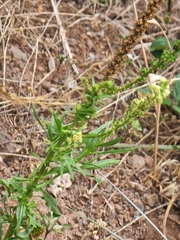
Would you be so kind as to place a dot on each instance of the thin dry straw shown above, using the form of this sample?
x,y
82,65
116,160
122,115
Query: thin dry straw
x,y
62,34
139,210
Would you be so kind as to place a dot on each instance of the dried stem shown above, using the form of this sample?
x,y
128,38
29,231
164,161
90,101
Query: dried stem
x,y
63,36
130,42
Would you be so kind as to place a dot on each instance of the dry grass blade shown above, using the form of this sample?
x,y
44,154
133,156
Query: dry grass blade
x,y
17,155
173,199
4,4
158,110
63,35
44,101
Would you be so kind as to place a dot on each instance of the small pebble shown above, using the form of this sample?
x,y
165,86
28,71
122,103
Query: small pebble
x,y
152,199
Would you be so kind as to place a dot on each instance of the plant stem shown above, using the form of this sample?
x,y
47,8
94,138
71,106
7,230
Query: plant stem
x,y
9,232
145,146
158,110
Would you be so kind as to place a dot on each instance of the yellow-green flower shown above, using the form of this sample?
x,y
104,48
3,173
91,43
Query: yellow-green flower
x,y
160,91
77,138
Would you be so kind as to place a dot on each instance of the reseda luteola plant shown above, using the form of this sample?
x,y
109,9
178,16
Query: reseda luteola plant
x,y
68,147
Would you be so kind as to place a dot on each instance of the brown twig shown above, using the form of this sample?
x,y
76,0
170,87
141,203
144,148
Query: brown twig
x,y
63,36
173,199
158,111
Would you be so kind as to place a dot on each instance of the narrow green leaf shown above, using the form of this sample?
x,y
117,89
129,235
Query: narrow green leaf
x,y
49,131
4,203
110,143
45,221
32,219
51,203
19,238
92,144
115,151
62,168
104,126
19,179
70,170
1,212
93,81
36,117
52,122
36,156
62,117
54,170
98,180
1,224
176,91
20,216
100,164
17,186
58,122
89,166
78,168
5,183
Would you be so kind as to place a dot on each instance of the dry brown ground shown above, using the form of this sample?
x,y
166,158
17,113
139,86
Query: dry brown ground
x,y
31,42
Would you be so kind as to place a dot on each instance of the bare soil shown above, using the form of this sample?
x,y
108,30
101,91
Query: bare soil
x,y
34,66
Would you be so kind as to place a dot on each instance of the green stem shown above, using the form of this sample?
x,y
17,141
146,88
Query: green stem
x,y
39,174
9,232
